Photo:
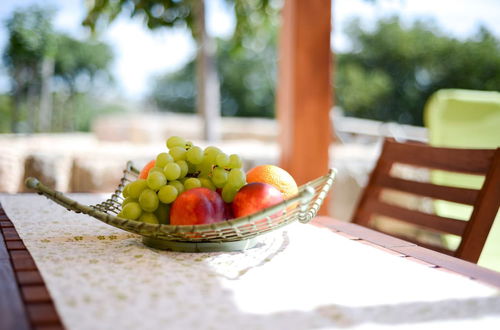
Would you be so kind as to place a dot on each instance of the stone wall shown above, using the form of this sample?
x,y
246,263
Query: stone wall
x,y
147,128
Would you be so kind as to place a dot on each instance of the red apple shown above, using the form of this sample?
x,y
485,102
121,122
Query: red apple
x,y
196,207
254,197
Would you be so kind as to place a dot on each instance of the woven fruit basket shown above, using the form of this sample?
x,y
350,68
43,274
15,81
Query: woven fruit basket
x,y
229,235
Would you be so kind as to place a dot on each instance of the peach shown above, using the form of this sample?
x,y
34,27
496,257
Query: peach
x,y
197,206
254,197
145,170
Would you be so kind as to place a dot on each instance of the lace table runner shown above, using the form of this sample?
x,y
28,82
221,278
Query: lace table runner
x,y
302,277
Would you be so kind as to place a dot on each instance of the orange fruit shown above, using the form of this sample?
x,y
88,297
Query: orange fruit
x,y
145,170
275,176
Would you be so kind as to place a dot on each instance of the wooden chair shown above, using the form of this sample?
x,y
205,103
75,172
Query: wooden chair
x,y
485,201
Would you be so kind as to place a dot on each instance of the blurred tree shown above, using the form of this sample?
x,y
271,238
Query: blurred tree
x,y
247,69
392,70
31,47
176,91
77,65
76,59
189,13
36,56
5,109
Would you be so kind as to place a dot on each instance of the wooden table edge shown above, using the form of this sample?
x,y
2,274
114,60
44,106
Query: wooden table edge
x,y
26,303
410,250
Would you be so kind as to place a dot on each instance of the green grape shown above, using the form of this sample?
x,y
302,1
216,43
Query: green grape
x,y
207,183
148,217
211,150
156,169
167,194
178,153
236,178
194,155
131,211
228,193
235,161
172,171
188,145
203,176
162,159
205,168
222,160
219,177
210,154
148,200
156,180
178,185
183,166
176,141
136,187
125,192
128,200
163,214
192,168
191,183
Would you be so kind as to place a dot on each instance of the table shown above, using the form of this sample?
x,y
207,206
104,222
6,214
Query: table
x,y
60,269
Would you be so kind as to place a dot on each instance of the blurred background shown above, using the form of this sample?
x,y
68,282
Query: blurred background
x,y
87,85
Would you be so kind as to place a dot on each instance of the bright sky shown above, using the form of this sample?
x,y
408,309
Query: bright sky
x,y
141,53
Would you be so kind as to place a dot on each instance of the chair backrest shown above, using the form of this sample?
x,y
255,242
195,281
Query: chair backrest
x,y
485,201
459,118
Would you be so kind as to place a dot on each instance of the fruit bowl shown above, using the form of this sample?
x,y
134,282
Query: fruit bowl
x,y
229,235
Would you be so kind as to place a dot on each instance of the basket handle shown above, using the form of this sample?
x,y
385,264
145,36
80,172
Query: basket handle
x,y
306,196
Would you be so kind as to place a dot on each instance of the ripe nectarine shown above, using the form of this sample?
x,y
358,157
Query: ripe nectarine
x,y
197,206
254,197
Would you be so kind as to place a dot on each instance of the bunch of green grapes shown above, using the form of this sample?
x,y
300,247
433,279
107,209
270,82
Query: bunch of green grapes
x,y
185,166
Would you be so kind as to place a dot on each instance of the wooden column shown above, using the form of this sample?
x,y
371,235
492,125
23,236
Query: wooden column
x,y
304,95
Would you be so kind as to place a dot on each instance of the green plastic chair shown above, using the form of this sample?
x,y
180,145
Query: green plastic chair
x,y
468,119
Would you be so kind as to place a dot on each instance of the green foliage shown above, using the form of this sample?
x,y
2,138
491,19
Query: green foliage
x,y
75,58
253,15
247,72
31,36
176,91
33,43
86,108
392,70
174,13
5,106
166,13
31,39
388,76
247,64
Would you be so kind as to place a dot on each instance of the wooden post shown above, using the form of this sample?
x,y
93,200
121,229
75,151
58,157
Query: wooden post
x,y
304,96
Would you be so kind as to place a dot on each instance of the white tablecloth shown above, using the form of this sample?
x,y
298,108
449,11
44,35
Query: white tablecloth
x,y
302,277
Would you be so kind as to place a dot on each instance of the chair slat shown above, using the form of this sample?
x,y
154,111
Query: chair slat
x,y
483,215
470,161
452,194
442,224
